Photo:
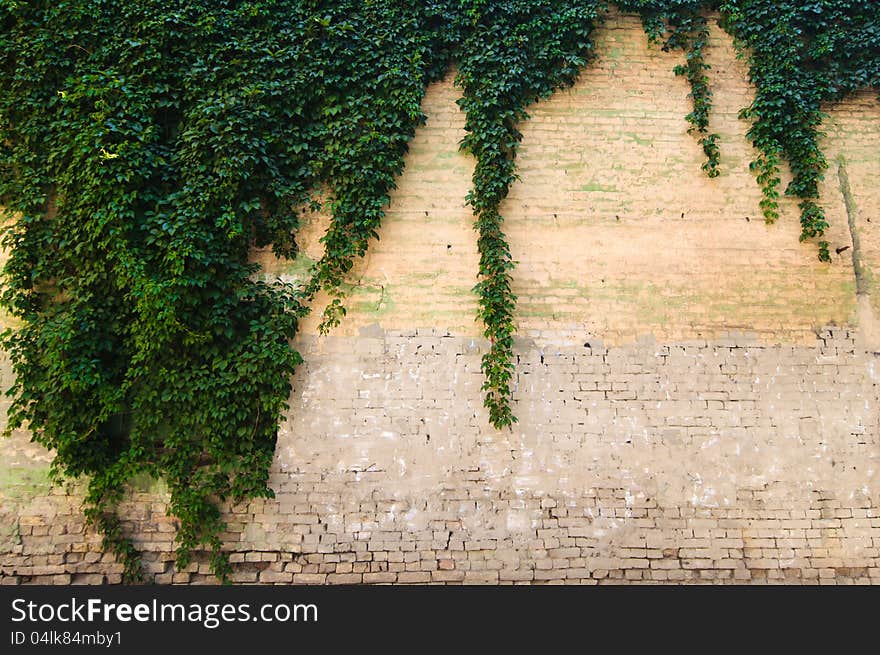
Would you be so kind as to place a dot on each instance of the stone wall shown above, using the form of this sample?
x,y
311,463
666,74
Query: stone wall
x,y
697,394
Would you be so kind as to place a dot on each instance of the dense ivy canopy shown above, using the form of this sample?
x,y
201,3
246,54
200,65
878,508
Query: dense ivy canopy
x,y
146,147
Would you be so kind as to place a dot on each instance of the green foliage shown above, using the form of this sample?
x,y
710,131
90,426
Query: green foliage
x,y
682,26
369,67
515,54
801,55
147,147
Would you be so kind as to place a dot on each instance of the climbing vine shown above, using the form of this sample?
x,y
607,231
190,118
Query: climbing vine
x,y
372,62
515,54
146,148
683,26
801,54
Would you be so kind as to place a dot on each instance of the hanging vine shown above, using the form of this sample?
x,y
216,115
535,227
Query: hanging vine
x,y
516,53
146,148
147,345
682,26
368,111
801,54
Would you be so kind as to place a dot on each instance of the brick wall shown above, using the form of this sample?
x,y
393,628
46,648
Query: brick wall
x,y
697,394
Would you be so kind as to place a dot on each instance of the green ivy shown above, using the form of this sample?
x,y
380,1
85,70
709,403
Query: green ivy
x,y
147,147
140,187
515,54
801,54
683,26
370,63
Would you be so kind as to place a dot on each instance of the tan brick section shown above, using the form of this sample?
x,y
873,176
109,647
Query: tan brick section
x,y
616,230
687,415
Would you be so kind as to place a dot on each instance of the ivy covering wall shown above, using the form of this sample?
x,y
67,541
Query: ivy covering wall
x,y
146,147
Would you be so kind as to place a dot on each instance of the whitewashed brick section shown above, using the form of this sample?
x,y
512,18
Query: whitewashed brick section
x,y
731,461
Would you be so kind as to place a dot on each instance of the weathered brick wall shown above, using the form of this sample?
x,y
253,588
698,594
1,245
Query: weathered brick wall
x,y
686,412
